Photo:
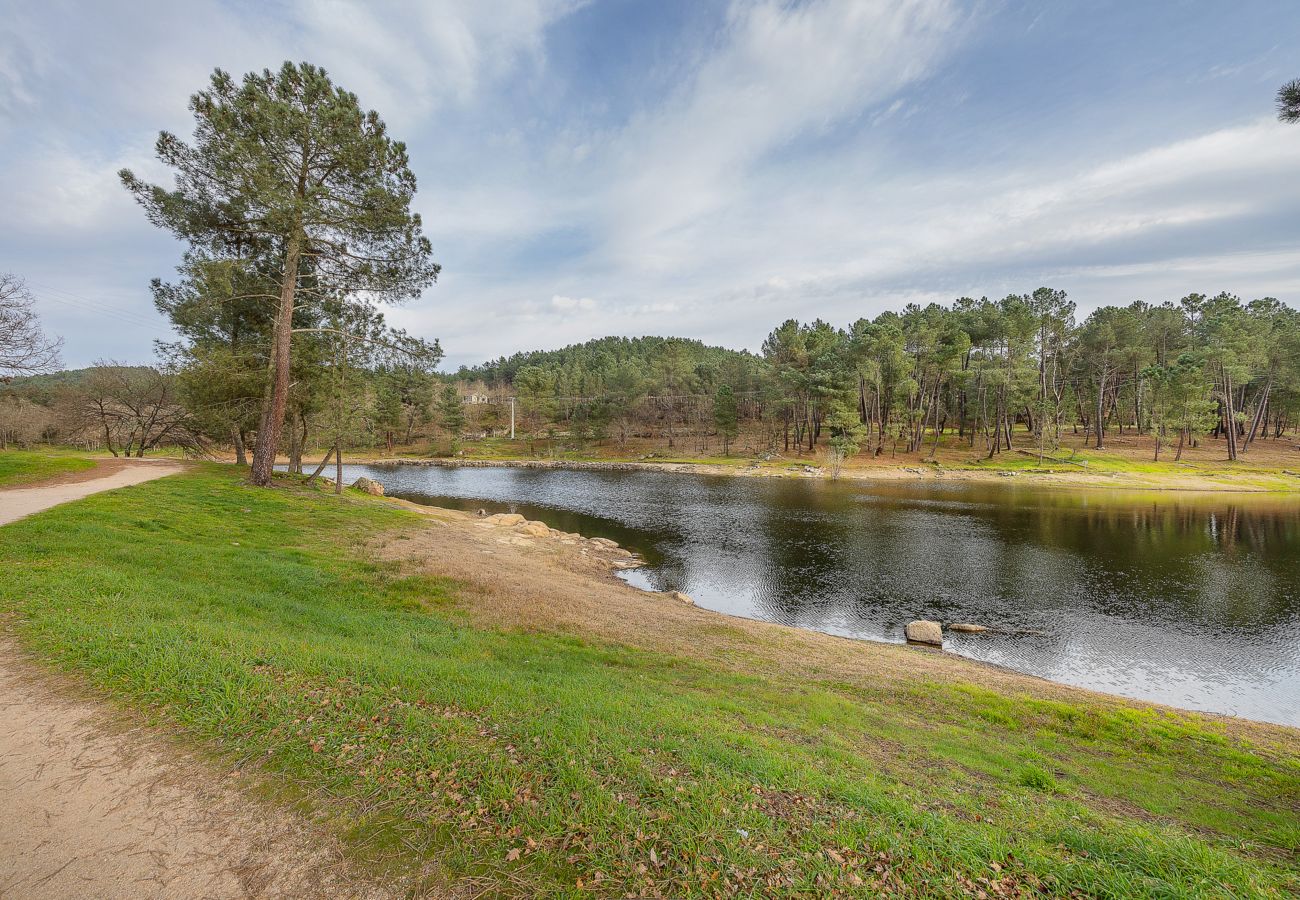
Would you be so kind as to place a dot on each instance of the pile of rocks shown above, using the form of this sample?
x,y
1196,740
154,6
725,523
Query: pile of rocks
x,y
925,631
521,529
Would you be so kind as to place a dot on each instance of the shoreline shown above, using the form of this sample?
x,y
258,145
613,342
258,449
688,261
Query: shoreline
x,y
581,557
923,472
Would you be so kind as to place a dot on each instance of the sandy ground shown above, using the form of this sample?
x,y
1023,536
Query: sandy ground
x,y
107,475
93,806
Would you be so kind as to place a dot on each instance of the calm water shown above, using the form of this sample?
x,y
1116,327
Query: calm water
x,y
1191,600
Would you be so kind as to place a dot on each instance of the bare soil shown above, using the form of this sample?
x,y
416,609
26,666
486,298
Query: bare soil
x,y
107,475
94,805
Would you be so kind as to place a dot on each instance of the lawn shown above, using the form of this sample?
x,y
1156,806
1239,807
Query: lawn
x,y
19,467
525,763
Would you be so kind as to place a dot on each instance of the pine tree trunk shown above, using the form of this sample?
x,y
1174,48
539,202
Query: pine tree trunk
x,y
268,432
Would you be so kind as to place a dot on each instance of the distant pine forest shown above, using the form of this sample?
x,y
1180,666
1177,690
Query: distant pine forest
x,y
1024,372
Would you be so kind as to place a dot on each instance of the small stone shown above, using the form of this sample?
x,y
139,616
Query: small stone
x,y
923,631
967,627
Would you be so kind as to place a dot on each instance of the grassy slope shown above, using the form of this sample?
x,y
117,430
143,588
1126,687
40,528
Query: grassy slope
x,y
19,467
546,764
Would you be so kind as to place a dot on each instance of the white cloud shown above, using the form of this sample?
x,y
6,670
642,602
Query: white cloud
x,y
785,71
572,304
408,59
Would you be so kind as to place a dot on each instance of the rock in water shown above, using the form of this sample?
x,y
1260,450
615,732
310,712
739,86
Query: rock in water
x,y
369,486
967,627
924,631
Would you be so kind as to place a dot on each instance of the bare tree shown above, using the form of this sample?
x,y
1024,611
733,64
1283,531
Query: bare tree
x,y
24,348
23,422
133,409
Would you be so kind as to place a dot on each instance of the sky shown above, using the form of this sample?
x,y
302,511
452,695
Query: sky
x,y
699,168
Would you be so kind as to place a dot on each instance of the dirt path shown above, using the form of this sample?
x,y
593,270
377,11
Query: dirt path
x,y
93,806
19,502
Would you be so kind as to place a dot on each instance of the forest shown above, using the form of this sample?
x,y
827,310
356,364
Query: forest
x,y
979,369
1020,371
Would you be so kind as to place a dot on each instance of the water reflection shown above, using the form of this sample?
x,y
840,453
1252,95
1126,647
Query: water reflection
x,y
1192,600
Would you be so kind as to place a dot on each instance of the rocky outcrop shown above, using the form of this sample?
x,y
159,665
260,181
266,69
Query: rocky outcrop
x,y
923,631
369,486
507,519
533,529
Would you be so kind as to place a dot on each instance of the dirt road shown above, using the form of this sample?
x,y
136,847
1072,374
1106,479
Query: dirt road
x,y
14,504
94,807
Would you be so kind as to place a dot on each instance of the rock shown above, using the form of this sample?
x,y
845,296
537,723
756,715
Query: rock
x,y
369,486
534,529
605,542
506,519
621,553
684,598
967,627
481,513
924,631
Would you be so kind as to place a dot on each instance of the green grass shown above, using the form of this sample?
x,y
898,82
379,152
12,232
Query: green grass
x,y
549,765
19,467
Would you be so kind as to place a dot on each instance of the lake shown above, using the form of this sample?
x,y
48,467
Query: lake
x,y
1181,598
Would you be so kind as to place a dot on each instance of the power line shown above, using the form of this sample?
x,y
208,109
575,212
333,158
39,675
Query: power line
x,y
86,305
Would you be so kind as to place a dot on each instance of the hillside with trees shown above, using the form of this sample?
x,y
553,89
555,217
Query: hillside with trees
x,y
989,375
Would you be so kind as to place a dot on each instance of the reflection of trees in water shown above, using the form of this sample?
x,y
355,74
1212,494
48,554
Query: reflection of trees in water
x,y
1233,564
1193,584
882,558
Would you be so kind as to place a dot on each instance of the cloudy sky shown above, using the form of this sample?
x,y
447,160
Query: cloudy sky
x,y
695,167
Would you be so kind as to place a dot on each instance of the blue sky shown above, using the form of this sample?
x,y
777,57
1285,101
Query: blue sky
x,y
705,169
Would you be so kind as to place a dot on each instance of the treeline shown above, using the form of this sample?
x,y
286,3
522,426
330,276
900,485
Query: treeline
x,y
126,410
975,370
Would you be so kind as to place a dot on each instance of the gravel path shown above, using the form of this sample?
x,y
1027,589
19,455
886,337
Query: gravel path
x,y
19,502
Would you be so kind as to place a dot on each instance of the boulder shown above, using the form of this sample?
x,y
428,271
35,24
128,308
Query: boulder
x,y
924,631
604,542
967,627
369,486
533,529
506,519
